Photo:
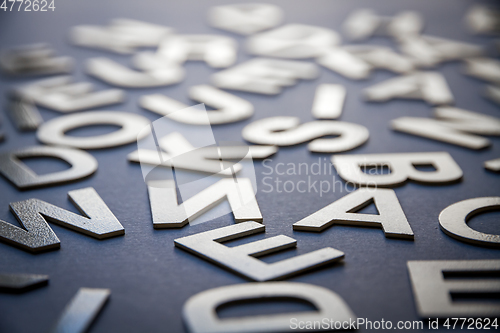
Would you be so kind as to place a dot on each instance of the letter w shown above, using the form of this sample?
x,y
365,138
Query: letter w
x,y
167,213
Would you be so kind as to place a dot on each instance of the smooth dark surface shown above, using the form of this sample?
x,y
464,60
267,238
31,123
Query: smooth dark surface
x,y
149,279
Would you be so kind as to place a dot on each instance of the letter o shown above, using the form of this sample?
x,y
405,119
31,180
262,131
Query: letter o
x,y
132,125
289,182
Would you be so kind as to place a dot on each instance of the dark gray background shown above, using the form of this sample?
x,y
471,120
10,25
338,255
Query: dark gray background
x,y
150,279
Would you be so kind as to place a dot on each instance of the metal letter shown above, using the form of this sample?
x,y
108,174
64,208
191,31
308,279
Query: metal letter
x,y
294,41
402,167
493,165
245,18
429,86
264,76
492,93
453,220
17,283
328,101
382,57
287,131
243,260
452,125
119,75
357,61
487,69
429,51
200,316
177,152
432,291
81,311
217,51
121,35
35,59
97,221
364,23
343,62
11,167
391,217
483,20
132,125
60,94
229,108
24,114
453,50
167,213
420,51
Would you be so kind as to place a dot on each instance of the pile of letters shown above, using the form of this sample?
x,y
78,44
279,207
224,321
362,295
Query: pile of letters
x,y
279,50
